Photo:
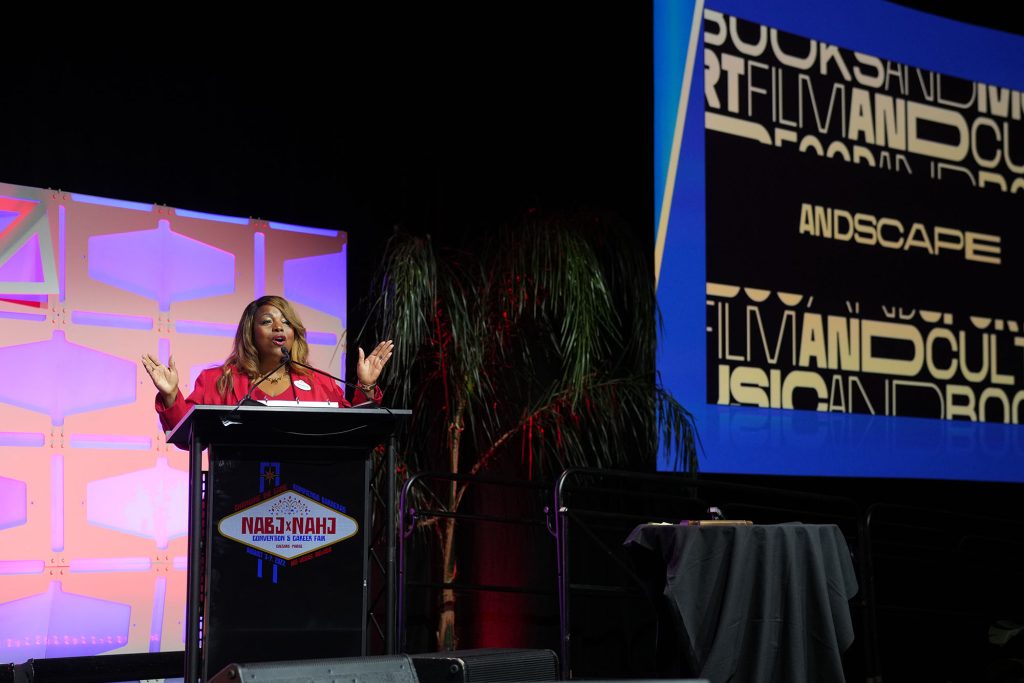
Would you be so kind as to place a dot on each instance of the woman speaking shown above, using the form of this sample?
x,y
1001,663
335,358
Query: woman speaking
x,y
269,338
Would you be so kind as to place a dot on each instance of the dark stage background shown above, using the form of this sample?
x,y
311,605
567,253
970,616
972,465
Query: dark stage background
x,y
435,120
432,120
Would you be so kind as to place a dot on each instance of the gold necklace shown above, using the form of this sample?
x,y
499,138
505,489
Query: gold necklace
x,y
275,380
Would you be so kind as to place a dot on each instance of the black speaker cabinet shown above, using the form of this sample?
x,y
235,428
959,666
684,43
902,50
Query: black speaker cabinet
x,y
386,669
486,665
100,668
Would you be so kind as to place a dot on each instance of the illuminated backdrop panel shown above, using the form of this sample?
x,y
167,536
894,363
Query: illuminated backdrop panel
x,y
838,243
93,504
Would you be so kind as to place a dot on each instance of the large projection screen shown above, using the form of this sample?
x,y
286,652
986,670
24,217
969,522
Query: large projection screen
x,y
838,197
93,501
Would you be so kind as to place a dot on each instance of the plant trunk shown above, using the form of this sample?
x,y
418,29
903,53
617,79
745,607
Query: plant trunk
x,y
447,638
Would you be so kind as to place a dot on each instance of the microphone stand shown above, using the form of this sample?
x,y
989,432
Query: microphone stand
x,y
352,385
325,374
248,400
286,358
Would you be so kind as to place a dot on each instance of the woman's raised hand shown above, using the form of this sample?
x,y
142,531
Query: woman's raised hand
x,y
369,366
165,377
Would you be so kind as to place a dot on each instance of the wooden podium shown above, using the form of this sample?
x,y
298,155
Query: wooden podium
x,y
279,532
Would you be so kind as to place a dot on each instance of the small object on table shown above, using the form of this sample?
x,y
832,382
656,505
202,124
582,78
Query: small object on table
x,y
715,522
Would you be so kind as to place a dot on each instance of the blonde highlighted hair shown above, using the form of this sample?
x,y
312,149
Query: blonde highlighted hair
x,y
245,358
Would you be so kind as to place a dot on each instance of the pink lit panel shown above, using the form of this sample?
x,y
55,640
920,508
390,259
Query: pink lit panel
x,y
92,499
13,507
151,503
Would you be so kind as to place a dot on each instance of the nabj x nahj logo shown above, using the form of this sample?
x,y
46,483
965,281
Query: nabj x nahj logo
x,y
288,525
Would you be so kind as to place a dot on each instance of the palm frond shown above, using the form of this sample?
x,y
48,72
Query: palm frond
x,y
545,333
404,291
551,274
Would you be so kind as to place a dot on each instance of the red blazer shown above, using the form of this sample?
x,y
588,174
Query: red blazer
x,y
311,387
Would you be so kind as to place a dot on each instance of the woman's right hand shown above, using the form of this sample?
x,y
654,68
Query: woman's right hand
x,y
165,377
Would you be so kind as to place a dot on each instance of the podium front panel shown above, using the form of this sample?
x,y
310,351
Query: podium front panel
x,y
287,557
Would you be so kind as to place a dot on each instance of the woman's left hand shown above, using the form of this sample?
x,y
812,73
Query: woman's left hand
x,y
369,366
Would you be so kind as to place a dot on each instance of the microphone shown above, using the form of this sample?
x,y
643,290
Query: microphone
x,y
247,400
352,385
286,357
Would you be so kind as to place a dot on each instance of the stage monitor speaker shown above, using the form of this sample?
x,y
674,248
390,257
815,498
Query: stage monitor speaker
x,y
101,668
385,669
486,665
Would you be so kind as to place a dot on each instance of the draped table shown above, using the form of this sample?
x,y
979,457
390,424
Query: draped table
x,y
749,602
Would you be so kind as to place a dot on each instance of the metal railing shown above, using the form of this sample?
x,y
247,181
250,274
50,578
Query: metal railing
x,y
421,505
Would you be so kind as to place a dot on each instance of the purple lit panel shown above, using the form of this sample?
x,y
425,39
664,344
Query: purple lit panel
x,y
151,503
35,317
205,328
62,250
162,265
111,564
157,623
57,503
39,376
322,338
111,442
22,567
13,503
59,624
23,439
126,322
115,203
25,265
235,220
163,349
259,265
318,282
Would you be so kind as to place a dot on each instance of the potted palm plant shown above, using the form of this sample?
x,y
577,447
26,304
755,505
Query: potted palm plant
x,y
541,336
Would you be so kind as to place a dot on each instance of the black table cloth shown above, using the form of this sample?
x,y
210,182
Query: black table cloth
x,y
750,602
